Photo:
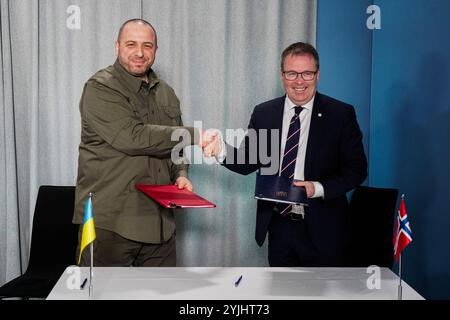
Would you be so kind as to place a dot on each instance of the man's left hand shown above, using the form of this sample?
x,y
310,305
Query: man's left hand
x,y
309,186
184,183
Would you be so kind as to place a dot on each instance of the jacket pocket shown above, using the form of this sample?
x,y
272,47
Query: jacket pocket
x,y
171,116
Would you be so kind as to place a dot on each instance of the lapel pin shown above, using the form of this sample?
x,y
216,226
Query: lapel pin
x,y
319,115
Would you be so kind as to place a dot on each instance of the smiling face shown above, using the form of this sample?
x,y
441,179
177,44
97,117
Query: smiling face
x,y
136,48
300,91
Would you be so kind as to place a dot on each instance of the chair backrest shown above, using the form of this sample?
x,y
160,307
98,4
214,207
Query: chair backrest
x,y
54,238
372,221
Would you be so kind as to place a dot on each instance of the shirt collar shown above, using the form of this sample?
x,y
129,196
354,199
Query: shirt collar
x,y
135,82
290,105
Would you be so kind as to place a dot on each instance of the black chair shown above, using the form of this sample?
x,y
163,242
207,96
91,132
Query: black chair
x,y
372,212
53,243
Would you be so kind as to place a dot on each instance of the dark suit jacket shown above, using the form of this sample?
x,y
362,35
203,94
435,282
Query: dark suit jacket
x,y
334,157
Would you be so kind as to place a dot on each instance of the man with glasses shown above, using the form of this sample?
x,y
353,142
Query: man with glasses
x,y
320,149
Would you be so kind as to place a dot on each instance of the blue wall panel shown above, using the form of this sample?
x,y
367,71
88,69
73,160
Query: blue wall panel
x,y
345,48
398,78
410,130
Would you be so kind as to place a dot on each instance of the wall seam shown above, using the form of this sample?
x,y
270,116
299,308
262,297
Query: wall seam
x,y
369,138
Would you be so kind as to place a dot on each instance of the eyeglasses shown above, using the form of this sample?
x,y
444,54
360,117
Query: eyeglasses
x,y
293,75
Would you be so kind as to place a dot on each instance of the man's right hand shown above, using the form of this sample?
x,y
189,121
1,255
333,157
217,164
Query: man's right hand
x,y
210,142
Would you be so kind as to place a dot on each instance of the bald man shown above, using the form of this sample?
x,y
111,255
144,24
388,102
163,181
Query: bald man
x,y
128,116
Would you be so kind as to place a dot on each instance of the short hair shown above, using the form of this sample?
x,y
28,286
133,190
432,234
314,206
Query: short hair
x,y
136,20
300,49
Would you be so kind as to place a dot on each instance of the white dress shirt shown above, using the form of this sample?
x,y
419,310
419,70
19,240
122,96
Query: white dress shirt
x,y
305,121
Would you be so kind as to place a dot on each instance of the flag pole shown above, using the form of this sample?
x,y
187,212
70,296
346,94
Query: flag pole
x,y
91,273
400,277
91,267
400,268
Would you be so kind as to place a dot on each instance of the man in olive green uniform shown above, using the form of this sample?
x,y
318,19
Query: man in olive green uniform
x,y
128,116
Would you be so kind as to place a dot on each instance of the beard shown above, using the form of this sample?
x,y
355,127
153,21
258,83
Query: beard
x,y
139,71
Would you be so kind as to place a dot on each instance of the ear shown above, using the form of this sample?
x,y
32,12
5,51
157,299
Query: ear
x,y
318,75
116,48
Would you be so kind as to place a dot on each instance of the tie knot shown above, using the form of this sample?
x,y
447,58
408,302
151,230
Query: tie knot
x,y
298,109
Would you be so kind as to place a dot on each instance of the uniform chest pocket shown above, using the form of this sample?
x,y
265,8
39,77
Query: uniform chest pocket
x,y
171,116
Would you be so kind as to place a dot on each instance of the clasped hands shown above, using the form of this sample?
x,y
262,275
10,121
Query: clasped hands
x,y
210,142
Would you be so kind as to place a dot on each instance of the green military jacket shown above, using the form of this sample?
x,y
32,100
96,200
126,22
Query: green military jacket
x,y
126,139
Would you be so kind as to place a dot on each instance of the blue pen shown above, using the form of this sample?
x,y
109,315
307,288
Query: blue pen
x,y
238,281
83,284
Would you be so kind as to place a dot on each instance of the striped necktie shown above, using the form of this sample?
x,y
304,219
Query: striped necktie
x,y
290,155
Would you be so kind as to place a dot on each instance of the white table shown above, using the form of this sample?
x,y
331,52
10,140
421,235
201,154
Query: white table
x,y
206,283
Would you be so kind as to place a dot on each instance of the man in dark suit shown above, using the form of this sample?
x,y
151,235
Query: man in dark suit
x,y
326,158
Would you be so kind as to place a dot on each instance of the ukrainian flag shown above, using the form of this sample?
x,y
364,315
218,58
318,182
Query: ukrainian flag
x,y
88,234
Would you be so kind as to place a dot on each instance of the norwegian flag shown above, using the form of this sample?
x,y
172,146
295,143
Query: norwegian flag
x,y
403,234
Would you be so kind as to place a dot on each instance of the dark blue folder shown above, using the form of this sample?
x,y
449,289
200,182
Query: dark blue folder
x,y
279,189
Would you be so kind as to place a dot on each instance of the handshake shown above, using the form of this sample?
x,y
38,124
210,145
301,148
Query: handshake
x,y
211,142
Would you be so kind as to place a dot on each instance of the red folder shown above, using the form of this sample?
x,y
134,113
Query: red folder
x,y
169,196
